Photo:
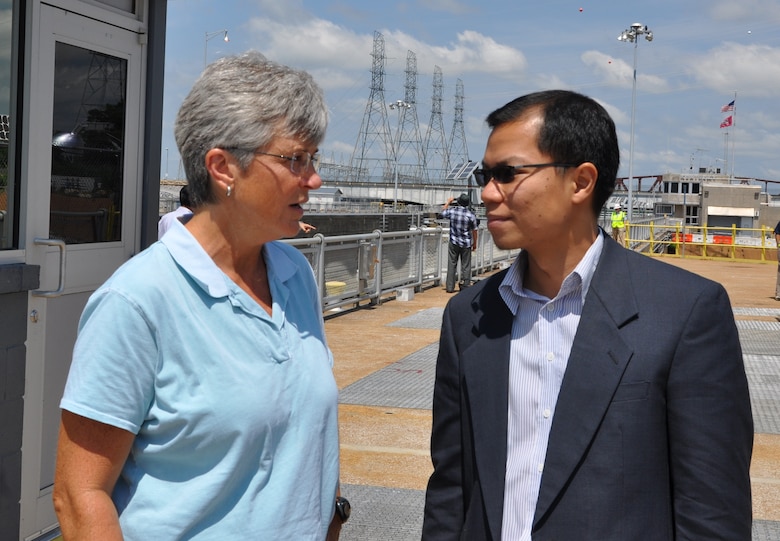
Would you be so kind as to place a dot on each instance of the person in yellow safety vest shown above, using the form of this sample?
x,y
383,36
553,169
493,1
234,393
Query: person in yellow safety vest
x,y
619,225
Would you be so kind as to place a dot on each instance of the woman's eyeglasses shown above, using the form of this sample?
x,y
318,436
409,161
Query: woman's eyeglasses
x,y
504,174
299,162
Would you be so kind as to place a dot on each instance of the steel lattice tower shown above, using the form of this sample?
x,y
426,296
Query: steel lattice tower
x,y
410,152
458,150
366,162
437,160
105,84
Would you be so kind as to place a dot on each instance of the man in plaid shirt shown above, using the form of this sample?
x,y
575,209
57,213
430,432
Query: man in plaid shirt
x,y
463,240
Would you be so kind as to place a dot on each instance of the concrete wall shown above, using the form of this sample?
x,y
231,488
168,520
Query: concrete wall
x,y
769,216
355,224
15,282
730,195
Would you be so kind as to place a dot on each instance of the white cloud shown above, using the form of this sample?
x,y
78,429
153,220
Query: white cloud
x,y
731,11
320,44
550,80
448,6
317,43
752,70
472,52
619,73
618,117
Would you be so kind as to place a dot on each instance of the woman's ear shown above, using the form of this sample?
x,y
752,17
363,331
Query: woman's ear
x,y
221,166
585,176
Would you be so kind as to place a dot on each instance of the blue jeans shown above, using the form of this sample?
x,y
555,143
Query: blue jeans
x,y
463,254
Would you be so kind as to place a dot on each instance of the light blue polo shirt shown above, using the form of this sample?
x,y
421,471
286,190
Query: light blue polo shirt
x,y
234,411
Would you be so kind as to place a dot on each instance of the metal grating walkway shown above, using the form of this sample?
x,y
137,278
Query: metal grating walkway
x,y
429,318
407,383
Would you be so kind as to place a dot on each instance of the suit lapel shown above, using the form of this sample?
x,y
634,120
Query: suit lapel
x,y
598,359
486,375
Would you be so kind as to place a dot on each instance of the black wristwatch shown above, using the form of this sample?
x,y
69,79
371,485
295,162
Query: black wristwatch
x,y
343,509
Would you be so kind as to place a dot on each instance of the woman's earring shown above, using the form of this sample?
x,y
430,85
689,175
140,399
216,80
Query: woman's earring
x,y
230,190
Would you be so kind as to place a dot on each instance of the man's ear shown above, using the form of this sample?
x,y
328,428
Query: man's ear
x,y
585,176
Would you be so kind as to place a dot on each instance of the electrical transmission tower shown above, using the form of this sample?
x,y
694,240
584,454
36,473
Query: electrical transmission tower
x,y
458,150
410,152
437,160
366,161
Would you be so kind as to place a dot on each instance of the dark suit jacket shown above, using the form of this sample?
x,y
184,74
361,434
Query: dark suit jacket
x,y
652,434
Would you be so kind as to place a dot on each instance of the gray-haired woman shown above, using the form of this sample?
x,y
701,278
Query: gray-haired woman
x,y
201,402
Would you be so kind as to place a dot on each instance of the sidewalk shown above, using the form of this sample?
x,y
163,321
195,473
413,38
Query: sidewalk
x,y
384,365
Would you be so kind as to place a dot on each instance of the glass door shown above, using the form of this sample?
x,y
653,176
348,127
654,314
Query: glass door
x,y
81,211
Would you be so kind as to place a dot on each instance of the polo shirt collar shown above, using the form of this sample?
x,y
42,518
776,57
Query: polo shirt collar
x,y
193,259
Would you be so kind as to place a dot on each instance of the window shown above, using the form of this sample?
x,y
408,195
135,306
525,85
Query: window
x,y
123,5
88,147
691,215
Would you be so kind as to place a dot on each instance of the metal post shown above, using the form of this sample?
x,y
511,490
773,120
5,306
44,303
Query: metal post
x,y
632,35
210,35
398,104
631,144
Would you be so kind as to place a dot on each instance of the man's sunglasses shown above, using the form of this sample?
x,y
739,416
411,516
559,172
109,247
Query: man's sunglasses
x,y
504,174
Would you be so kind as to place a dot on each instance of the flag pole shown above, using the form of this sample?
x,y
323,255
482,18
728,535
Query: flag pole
x,y
734,125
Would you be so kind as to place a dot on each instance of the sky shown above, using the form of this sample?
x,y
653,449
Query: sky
x,y
704,54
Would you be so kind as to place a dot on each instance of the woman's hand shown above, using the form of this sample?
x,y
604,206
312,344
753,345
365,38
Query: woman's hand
x,y
334,530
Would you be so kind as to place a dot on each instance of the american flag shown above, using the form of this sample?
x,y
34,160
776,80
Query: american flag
x,y
728,107
728,121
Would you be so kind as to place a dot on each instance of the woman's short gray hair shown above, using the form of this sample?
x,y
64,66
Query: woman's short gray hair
x,y
244,102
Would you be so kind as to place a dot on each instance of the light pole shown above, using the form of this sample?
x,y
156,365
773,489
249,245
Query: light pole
x,y
210,35
400,105
632,35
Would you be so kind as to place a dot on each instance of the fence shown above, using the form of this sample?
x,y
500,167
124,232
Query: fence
x,y
351,269
672,237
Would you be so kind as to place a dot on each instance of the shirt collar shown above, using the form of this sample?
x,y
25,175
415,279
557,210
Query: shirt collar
x,y
193,259
512,290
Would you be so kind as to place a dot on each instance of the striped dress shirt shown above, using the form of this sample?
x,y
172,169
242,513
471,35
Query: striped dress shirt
x,y
542,334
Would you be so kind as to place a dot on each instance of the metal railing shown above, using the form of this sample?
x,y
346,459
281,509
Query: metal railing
x,y
351,269
671,237
354,269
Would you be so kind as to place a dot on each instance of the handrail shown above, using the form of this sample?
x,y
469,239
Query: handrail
x,y
350,269
671,236
354,269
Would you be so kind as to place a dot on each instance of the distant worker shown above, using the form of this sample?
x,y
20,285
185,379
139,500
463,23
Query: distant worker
x,y
185,209
777,240
619,225
463,240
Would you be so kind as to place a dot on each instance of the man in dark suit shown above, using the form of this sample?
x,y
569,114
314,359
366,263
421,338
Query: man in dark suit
x,y
588,392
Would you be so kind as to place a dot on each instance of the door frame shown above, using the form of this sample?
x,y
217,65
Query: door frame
x,y
49,27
